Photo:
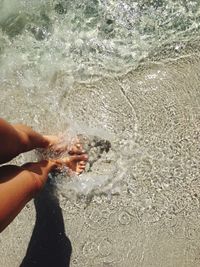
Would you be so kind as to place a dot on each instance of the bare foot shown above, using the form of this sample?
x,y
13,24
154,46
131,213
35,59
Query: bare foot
x,y
56,143
75,163
76,149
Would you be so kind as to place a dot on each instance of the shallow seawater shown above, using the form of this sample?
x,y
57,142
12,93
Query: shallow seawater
x,y
47,47
61,42
124,75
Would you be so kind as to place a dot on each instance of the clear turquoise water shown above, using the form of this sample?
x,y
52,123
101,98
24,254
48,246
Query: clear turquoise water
x,y
46,47
144,195
89,39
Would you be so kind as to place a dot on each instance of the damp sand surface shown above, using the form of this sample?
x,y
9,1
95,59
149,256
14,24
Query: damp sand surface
x,y
145,210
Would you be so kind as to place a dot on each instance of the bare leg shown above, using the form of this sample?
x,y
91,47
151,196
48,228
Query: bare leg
x,y
18,185
16,139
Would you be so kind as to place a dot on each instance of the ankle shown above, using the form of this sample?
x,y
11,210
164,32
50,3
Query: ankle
x,y
44,143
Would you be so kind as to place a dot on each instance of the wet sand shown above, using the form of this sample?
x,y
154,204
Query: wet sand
x,y
153,116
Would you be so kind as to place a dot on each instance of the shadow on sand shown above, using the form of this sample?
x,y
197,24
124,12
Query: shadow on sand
x,y
49,246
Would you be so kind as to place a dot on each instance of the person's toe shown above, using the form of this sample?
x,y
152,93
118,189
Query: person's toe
x,y
80,158
76,149
82,163
80,169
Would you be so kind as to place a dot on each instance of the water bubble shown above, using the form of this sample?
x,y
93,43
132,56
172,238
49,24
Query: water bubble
x,y
105,247
124,218
60,9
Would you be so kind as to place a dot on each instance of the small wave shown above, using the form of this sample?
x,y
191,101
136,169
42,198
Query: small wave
x,y
91,39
